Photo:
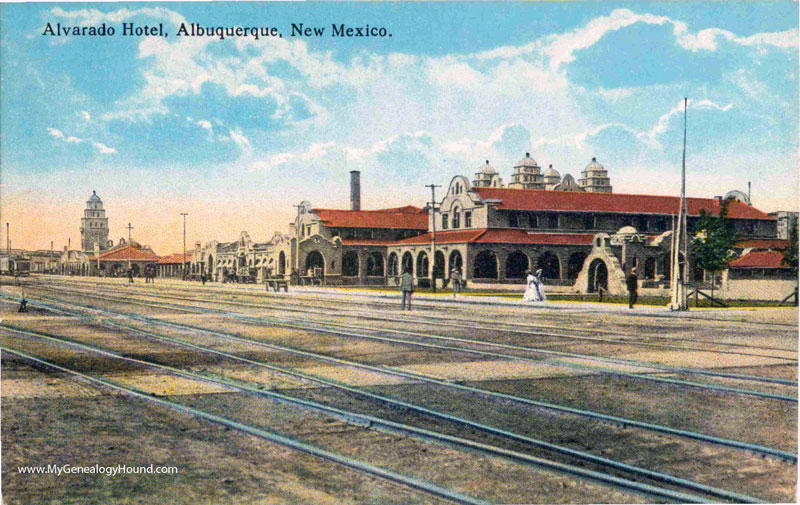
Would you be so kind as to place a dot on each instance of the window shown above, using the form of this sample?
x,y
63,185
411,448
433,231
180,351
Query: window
x,y
468,219
513,220
533,221
444,221
588,222
456,218
552,221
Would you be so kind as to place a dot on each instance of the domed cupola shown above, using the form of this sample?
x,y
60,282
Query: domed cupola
x,y
527,174
487,177
595,178
551,177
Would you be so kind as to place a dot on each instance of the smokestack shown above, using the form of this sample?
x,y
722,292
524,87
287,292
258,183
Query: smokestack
x,y
355,190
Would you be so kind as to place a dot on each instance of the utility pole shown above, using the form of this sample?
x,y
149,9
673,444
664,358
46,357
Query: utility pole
x,y
433,235
129,227
183,263
297,240
678,301
8,242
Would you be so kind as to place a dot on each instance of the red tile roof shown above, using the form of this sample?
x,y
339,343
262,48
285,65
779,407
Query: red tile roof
x,y
366,241
402,218
176,258
762,243
501,236
539,199
759,259
122,254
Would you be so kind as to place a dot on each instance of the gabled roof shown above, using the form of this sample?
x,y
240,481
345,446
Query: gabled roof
x,y
544,200
128,251
176,258
402,218
759,259
501,236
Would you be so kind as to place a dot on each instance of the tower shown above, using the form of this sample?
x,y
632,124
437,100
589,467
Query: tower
x,y
595,178
94,225
487,177
551,178
527,174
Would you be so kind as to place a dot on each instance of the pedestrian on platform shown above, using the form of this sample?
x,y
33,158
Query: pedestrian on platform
x,y
23,305
633,288
534,290
130,276
407,287
455,278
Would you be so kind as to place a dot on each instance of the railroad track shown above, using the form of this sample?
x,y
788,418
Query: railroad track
x,y
348,332
410,376
373,422
465,321
271,436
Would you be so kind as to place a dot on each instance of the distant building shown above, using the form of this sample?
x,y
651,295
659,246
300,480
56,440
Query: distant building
x,y
786,221
94,225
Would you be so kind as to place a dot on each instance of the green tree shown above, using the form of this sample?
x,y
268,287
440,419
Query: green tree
x,y
712,245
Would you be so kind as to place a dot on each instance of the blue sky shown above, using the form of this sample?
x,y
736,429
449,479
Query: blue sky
x,y
236,131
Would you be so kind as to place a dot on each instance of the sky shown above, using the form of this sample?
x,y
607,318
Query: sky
x,y
235,131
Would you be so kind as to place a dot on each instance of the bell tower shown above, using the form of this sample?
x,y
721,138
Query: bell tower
x,y
94,225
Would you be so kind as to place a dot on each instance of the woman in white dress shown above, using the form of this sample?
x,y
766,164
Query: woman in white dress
x,y
534,290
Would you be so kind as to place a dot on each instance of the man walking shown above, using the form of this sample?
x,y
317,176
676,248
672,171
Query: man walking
x,y
633,288
455,278
407,287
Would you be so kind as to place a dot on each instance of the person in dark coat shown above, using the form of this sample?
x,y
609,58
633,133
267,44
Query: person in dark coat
x,y
633,288
407,287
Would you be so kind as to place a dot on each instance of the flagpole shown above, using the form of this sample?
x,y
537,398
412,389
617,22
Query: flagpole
x,y
678,301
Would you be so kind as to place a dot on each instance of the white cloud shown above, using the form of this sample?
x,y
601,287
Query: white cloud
x,y
59,135
85,115
661,126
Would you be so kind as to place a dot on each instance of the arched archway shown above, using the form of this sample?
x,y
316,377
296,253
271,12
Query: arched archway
x,y
485,265
210,264
375,264
315,260
392,265
649,268
422,264
551,267
282,263
408,263
135,269
438,265
350,264
575,264
456,262
516,265
598,275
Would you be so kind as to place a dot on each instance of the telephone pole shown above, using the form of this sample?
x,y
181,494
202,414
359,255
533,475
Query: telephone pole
x,y
129,245
183,262
433,235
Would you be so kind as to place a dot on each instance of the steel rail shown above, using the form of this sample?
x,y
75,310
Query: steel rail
x,y
442,322
554,363
432,380
449,440
551,363
262,433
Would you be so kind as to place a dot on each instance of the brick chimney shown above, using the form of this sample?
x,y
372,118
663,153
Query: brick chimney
x,y
355,190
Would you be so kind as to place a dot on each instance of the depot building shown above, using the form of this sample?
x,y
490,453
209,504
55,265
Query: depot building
x,y
581,234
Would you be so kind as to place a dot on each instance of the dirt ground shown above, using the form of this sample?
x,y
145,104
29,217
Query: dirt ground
x,y
49,418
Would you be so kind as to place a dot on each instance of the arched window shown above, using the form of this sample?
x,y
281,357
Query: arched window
x,y
485,265
393,265
551,268
422,264
516,265
350,264
375,264
408,263
456,217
